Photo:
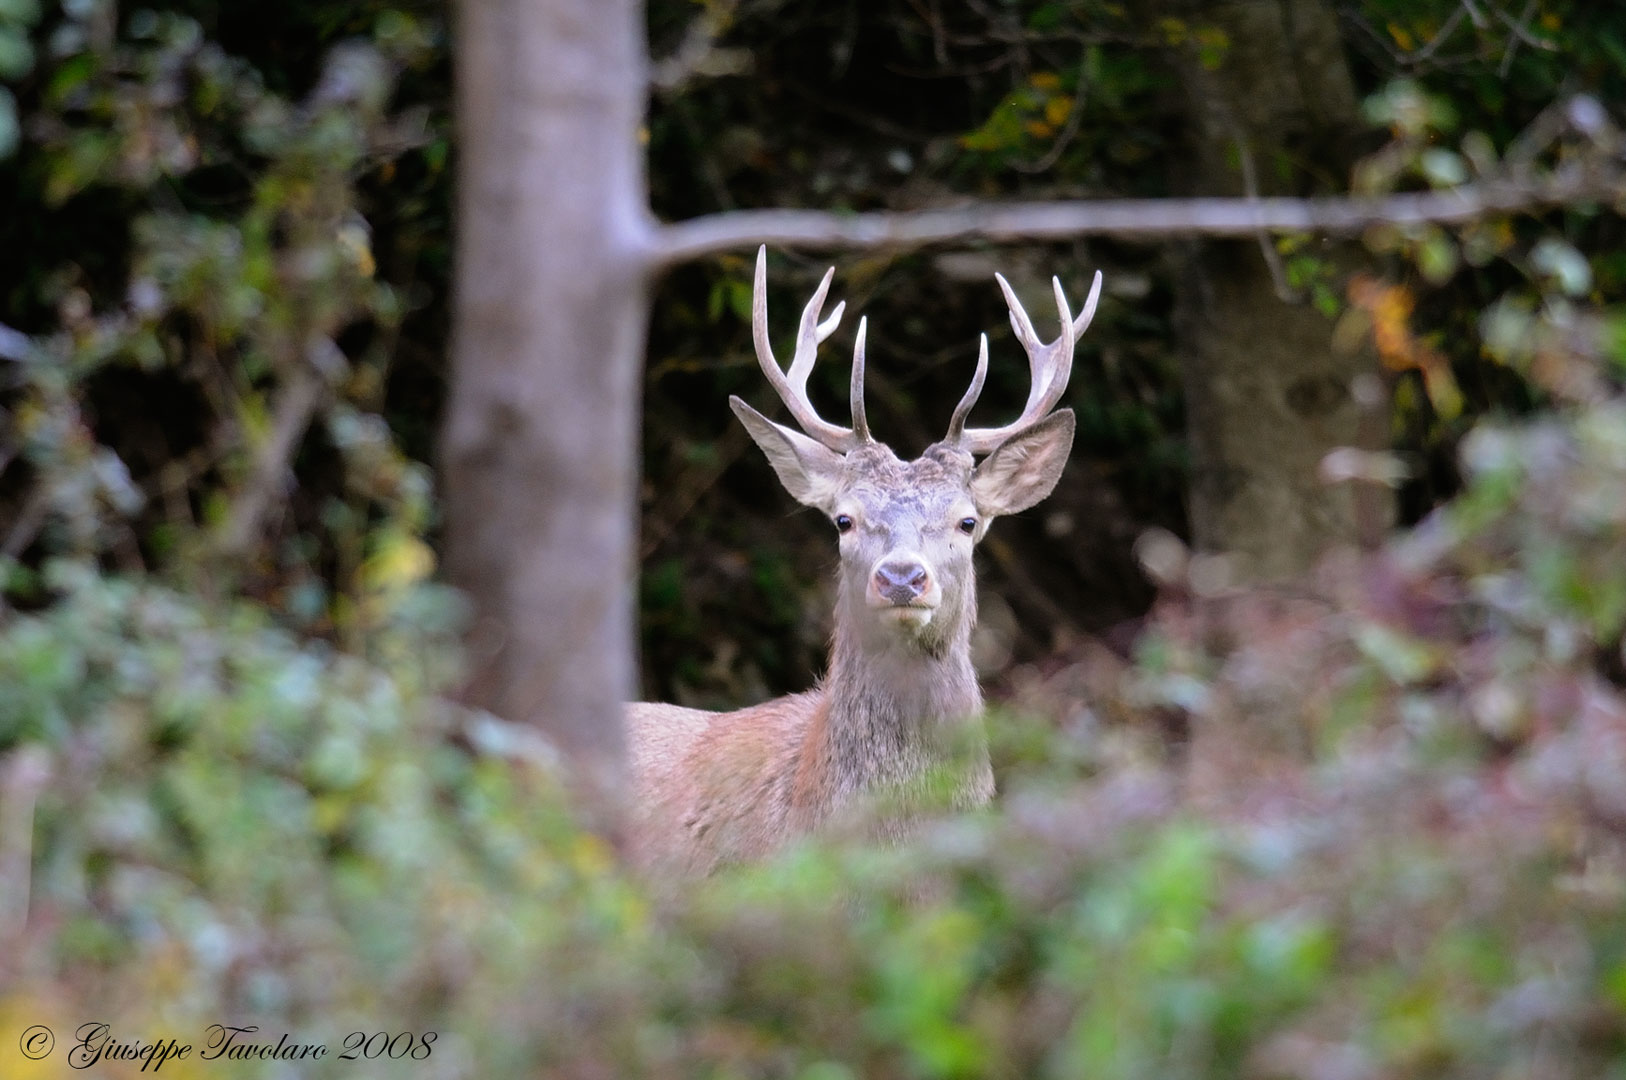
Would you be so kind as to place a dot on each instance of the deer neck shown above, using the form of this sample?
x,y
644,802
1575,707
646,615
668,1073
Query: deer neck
x,y
896,707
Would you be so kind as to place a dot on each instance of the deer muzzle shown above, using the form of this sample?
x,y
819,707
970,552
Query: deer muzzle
x,y
904,587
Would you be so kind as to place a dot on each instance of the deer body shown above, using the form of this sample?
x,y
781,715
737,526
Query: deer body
x,y
900,700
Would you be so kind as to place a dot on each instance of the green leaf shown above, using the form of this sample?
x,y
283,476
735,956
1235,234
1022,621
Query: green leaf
x,y
1437,258
739,300
1444,168
1558,260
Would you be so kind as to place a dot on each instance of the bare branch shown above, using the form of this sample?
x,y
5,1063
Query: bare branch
x,y
1128,219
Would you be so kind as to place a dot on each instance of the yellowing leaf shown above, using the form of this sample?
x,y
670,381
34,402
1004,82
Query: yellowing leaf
x,y
1442,389
1057,108
400,560
1402,36
1039,129
1046,80
330,812
1389,308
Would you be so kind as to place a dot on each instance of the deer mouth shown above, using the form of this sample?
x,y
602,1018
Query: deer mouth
x,y
913,614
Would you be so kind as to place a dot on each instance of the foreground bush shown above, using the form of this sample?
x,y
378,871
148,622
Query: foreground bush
x,y
1390,845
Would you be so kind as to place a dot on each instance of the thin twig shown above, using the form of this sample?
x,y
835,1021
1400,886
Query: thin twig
x,y
933,17
1521,27
1267,246
962,71
858,116
1374,37
295,407
1520,34
662,519
699,55
28,523
1035,593
1129,219
993,35
1398,60
1445,31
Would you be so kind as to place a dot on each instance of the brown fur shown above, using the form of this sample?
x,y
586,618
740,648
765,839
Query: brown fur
x,y
727,787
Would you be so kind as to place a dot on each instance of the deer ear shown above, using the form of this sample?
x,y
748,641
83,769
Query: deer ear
x,y
1024,468
810,471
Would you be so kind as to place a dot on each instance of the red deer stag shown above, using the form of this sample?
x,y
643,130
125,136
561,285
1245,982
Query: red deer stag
x,y
900,695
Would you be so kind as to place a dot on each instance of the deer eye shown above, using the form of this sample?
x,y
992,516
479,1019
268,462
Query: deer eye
x,y
844,523
968,525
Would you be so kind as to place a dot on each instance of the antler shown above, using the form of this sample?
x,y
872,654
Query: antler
x,y
792,385
1051,365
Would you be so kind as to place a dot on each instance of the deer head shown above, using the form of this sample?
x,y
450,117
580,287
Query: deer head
x,y
907,528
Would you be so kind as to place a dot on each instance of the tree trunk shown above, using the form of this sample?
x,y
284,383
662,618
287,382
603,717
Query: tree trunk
x,y
538,450
1267,396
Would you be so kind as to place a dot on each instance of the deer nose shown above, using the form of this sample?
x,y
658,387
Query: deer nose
x,y
902,582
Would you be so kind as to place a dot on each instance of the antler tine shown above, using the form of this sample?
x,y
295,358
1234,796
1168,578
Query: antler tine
x,y
855,390
1087,316
1051,366
1019,316
956,431
792,386
810,333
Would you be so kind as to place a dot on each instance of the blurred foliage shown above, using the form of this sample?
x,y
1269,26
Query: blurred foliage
x,y
202,393
1389,843
1369,827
